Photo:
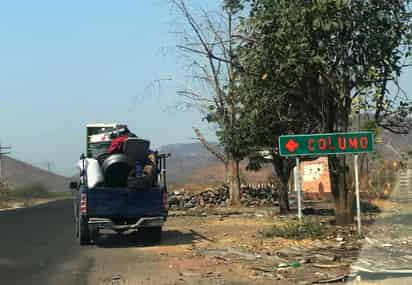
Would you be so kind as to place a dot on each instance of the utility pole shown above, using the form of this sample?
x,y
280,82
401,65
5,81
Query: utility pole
x,y
49,165
3,151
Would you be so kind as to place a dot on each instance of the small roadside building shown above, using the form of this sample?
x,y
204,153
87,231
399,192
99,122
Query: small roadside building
x,y
315,179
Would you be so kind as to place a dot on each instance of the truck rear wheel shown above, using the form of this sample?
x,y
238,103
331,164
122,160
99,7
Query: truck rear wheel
x,y
76,222
84,237
94,234
151,235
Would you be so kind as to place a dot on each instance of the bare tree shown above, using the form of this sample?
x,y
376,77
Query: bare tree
x,y
213,150
209,46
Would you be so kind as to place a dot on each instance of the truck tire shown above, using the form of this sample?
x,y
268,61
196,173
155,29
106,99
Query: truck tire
x,y
84,237
151,235
94,235
76,227
76,222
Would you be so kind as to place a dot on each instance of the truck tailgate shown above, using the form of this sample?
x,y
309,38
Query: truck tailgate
x,y
122,203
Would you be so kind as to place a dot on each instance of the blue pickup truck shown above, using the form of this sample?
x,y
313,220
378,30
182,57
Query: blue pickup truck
x,y
116,206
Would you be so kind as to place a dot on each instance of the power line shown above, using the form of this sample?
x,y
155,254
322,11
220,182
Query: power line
x,y
49,165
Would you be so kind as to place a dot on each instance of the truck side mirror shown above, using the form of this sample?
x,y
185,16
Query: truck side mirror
x,y
73,185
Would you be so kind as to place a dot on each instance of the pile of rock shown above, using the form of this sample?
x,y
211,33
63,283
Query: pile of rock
x,y
179,200
250,196
259,195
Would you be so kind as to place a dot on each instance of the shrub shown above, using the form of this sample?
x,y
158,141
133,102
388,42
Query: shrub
x,y
35,190
4,195
296,230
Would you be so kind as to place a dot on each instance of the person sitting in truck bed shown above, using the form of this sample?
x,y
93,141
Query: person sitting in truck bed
x,y
118,138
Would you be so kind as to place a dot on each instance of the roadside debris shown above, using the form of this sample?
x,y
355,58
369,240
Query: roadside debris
x,y
116,280
294,264
340,278
329,254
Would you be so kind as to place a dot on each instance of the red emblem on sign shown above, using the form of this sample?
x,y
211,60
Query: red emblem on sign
x,y
291,145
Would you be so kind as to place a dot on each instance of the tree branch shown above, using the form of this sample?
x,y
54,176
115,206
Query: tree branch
x,y
219,155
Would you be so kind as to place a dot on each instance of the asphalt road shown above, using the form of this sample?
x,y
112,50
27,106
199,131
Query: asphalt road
x,y
38,246
35,241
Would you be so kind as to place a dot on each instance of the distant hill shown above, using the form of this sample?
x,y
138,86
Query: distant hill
x,y
187,159
191,164
392,145
18,173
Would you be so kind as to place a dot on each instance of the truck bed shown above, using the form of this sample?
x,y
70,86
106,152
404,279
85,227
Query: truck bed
x,y
123,204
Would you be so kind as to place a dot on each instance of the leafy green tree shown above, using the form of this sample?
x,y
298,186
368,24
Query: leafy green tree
x,y
322,56
268,113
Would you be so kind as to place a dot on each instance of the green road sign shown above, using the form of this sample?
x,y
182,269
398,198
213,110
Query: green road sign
x,y
324,144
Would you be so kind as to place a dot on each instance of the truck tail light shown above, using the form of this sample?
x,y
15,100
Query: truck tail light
x,y
165,200
83,203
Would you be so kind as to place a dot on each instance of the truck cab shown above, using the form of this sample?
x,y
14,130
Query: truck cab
x,y
112,194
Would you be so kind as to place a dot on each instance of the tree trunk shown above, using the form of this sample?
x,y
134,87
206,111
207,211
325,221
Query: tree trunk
x,y
284,197
337,120
344,198
234,182
227,176
283,169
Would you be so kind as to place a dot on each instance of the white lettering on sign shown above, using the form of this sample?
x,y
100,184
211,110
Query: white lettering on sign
x,y
312,172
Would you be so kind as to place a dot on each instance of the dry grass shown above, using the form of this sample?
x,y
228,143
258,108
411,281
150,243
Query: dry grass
x,y
27,203
294,229
27,196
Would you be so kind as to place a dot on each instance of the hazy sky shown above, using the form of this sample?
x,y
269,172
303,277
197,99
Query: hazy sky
x,y
67,63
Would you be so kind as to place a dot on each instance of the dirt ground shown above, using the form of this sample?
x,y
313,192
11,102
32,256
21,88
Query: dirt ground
x,y
220,248
227,247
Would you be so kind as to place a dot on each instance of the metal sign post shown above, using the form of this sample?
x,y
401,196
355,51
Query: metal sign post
x,y
358,211
298,188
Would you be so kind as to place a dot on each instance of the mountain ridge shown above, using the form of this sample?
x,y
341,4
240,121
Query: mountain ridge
x,y
190,163
17,173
